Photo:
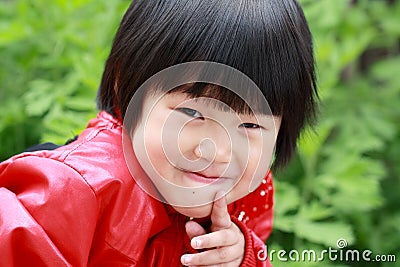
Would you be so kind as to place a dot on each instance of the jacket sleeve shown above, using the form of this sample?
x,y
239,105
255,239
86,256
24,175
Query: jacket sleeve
x,y
255,250
47,213
253,214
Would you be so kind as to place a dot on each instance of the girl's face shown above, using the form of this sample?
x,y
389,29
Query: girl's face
x,y
191,148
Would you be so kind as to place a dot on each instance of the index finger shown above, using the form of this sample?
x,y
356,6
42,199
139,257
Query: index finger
x,y
220,217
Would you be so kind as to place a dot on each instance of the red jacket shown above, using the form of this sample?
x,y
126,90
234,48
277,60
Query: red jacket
x,y
78,205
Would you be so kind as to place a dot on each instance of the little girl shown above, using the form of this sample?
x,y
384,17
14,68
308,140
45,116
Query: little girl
x,y
196,99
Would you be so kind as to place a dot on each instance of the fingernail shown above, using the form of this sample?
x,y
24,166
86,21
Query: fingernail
x,y
195,243
185,259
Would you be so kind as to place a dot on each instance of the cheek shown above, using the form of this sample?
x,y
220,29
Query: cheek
x,y
154,145
255,166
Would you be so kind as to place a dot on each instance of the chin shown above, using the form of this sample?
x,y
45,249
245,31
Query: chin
x,y
195,212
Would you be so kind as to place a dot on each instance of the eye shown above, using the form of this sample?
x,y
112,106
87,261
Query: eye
x,y
191,112
249,125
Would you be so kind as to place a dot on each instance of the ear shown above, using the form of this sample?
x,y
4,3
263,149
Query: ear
x,y
117,73
116,110
116,85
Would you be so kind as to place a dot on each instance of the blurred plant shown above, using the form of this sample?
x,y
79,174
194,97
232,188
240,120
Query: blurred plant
x,y
334,187
52,58
345,178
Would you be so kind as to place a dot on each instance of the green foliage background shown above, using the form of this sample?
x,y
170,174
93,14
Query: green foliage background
x,y
345,179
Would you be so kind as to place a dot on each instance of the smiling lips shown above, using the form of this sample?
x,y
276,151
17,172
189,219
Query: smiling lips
x,y
202,178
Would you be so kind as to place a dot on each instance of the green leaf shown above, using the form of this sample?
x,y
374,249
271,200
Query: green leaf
x,y
39,98
325,233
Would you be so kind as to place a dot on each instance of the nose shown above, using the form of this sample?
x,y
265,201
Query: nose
x,y
216,145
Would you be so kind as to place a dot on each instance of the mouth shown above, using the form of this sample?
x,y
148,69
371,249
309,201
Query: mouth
x,y
205,179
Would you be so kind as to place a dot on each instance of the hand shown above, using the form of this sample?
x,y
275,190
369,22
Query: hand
x,y
225,242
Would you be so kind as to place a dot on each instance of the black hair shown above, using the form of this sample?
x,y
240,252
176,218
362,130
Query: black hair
x,y
268,40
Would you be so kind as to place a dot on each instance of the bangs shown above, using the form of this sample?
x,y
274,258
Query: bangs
x,y
228,100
